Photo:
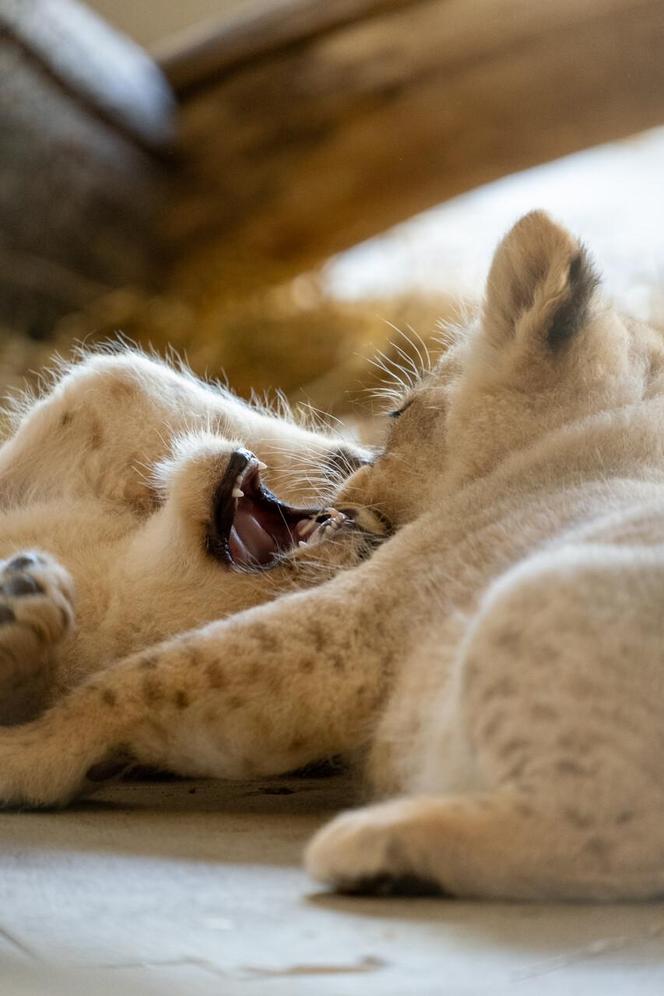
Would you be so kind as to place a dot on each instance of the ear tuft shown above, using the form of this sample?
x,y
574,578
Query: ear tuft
x,y
572,312
540,285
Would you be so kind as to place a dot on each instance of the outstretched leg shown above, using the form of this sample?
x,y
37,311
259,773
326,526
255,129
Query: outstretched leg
x,y
267,691
36,613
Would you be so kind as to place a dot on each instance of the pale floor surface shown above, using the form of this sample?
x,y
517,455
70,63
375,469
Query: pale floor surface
x,y
195,888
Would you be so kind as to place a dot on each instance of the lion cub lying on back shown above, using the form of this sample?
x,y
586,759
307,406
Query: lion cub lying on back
x,y
142,488
501,656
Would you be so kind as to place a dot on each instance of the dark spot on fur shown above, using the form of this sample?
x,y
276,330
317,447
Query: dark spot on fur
x,y
307,665
66,419
517,770
577,819
96,435
517,745
338,663
492,725
152,689
524,809
109,697
572,313
509,639
181,699
235,702
542,711
274,681
317,636
148,663
215,675
502,689
626,816
569,767
598,847
576,742
473,667
546,655
254,672
6,615
297,743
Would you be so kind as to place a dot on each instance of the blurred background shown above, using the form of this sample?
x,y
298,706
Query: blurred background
x,y
273,188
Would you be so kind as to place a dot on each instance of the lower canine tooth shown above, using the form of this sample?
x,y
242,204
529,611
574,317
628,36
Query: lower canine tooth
x,y
238,493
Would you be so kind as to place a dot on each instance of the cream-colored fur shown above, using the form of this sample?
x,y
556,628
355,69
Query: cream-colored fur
x,y
500,657
110,477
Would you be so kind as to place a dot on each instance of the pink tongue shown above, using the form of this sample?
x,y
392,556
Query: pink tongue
x,y
248,540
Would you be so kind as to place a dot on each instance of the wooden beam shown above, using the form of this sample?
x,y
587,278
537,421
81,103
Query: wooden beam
x,y
311,126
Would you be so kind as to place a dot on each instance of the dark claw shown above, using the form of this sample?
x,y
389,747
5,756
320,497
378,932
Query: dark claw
x,y
22,584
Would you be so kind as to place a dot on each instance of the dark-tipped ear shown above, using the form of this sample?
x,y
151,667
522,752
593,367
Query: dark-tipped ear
x,y
540,285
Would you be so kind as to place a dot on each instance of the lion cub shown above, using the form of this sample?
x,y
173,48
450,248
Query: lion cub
x,y
500,657
134,506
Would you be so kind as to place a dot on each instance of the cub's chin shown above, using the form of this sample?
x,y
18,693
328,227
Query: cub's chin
x,y
251,529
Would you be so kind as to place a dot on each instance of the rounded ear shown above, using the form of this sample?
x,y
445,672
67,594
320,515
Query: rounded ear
x,y
540,285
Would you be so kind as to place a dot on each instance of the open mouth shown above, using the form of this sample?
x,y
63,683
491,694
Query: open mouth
x,y
250,527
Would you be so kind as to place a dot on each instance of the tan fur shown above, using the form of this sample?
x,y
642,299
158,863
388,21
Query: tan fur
x,y
500,657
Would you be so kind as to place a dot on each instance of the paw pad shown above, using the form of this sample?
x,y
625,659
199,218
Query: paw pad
x,y
25,561
21,584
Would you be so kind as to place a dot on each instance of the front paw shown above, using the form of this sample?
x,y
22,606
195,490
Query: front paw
x,y
36,602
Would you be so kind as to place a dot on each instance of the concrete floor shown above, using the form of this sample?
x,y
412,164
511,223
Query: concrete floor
x,y
194,888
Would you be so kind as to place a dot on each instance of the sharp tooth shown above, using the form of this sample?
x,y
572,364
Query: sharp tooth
x,y
302,543
238,493
261,465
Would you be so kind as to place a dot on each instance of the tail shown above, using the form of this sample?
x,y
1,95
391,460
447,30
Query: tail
x,y
500,846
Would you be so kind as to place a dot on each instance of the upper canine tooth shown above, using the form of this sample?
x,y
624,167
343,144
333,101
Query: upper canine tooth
x,y
238,493
261,465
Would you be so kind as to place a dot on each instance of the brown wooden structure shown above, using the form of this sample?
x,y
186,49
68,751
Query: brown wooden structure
x,y
295,131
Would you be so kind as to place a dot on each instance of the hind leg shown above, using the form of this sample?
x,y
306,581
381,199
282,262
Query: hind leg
x,y
36,612
500,846
558,707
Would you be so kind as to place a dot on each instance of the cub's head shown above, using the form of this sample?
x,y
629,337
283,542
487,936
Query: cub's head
x,y
544,352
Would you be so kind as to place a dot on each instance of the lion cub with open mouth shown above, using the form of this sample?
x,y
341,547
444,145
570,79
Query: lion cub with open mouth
x,y
500,657
134,506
